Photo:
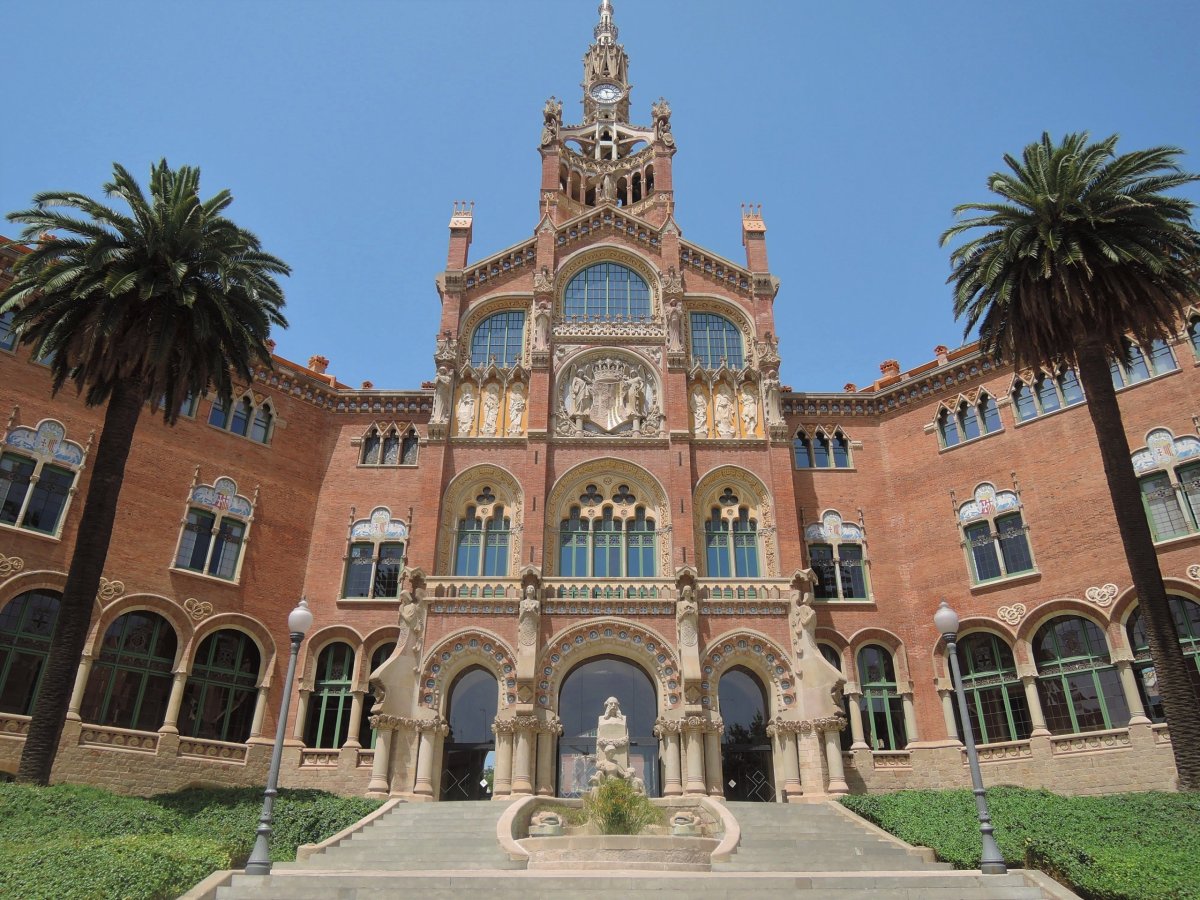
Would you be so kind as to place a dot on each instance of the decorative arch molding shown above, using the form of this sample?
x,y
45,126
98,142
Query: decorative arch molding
x,y
885,638
459,494
459,651
35,580
607,252
155,603
637,643
832,637
758,653
607,473
1127,600
1060,606
967,627
760,502
251,627
330,634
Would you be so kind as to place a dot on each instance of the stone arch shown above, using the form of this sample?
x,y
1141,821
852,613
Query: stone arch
x,y
832,637
251,627
1062,606
610,636
155,603
756,652
968,626
36,580
754,493
608,473
885,638
316,644
458,494
459,651
372,642
576,262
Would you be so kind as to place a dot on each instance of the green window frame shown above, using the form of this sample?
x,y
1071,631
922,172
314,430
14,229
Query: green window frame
x,y
1079,688
329,705
211,544
996,700
1186,614
222,689
130,683
26,626
881,703
1161,503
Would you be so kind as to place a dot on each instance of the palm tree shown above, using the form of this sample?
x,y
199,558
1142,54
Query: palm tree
x,y
167,301
1083,251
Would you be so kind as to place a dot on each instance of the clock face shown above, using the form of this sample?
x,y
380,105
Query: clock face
x,y
606,93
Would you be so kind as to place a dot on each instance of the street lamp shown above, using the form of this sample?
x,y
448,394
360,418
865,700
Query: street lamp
x,y
300,620
992,863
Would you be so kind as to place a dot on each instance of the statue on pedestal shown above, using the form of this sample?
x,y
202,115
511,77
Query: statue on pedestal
x,y
612,748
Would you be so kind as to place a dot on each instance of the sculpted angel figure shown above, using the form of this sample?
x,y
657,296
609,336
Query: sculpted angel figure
x,y
516,408
634,393
441,396
749,409
804,616
699,411
410,621
466,410
552,118
491,408
724,413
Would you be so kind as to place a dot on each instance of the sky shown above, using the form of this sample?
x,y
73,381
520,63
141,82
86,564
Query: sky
x,y
346,129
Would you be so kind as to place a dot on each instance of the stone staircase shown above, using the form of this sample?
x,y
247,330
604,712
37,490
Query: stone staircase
x,y
448,850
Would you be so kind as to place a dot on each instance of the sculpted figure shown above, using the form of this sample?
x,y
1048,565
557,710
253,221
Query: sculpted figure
x,y
699,411
724,413
634,393
491,408
552,118
527,621
749,409
771,392
541,330
686,612
516,408
804,617
410,622
466,410
542,282
441,397
580,395
674,326
608,188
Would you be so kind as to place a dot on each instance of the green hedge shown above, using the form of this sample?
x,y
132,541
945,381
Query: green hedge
x,y
78,843
1116,847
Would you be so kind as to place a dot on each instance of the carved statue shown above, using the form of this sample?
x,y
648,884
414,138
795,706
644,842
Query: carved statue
x,y
546,817
612,748
466,410
662,122
491,408
552,119
774,410
527,622
441,397
634,394
580,395
699,411
541,327
411,623
724,412
516,408
686,612
543,281
804,625
749,409
674,326
608,188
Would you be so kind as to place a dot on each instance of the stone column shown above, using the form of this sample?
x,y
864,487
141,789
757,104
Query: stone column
x,y
910,717
1034,702
695,757
301,714
502,781
712,759
260,710
791,761
354,733
547,755
425,754
948,714
833,759
522,781
81,680
667,730
856,722
379,785
170,723
1133,697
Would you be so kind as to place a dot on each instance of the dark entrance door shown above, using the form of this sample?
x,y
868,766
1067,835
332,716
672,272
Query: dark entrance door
x,y
746,765
469,753
580,703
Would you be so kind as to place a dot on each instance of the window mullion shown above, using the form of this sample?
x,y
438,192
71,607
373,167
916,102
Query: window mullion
x,y
376,549
837,569
994,528
212,543
34,477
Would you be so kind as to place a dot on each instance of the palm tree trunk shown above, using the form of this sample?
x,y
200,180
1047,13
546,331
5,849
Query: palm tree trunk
x,y
1180,702
83,580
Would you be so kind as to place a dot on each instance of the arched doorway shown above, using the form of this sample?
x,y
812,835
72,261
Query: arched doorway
x,y
746,767
469,754
580,703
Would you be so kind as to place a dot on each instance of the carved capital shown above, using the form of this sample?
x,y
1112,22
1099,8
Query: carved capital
x,y
663,727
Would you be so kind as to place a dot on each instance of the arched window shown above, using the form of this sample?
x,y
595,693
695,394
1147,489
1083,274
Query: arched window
x,y
1078,685
130,683
211,541
640,540
218,701
802,450
481,543
882,706
995,695
329,704
607,291
1169,475
731,540
376,558
821,451
370,447
746,769
26,624
378,658
1186,614
408,449
607,541
260,430
715,340
834,658
37,475
995,535
836,554
1141,366
948,428
968,421
499,338
1047,394
1193,330
245,419
8,339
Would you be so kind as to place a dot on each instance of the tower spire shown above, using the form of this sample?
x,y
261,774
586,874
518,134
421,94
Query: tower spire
x,y
605,31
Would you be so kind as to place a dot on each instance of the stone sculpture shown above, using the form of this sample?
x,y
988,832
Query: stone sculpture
x,y
771,391
674,326
466,410
491,408
699,412
749,409
541,331
723,412
516,408
441,397
612,748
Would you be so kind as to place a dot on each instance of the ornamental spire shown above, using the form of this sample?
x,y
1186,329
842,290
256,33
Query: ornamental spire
x,y
605,31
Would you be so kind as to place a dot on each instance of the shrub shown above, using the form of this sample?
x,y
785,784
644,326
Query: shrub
x,y
616,808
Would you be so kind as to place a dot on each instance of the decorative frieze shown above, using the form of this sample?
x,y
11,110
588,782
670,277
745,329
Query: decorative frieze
x,y
118,738
1087,743
437,724
219,751
1000,752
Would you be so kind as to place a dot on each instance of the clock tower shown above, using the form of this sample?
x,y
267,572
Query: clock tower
x,y
605,73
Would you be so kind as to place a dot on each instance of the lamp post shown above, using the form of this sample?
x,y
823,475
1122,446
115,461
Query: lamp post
x,y
300,620
992,862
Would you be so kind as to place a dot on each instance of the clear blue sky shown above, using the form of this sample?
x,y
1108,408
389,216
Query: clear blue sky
x,y
346,129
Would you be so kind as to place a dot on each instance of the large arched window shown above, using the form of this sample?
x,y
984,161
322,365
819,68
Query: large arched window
x,y
715,340
499,338
731,540
1078,685
130,683
481,544
1186,614
218,702
329,705
1169,475
995,695
378,658
215,530
882,705
995,535
607,291
616,542
26,624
